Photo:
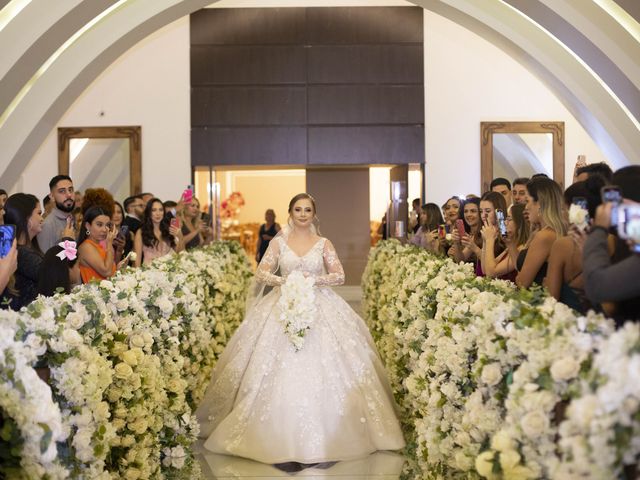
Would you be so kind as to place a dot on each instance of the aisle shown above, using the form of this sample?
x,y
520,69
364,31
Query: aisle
x,y
379,466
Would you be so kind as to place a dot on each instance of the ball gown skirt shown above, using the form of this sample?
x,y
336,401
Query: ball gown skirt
x,y
329,401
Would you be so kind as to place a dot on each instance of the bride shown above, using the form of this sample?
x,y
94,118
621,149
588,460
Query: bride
x,y
312,396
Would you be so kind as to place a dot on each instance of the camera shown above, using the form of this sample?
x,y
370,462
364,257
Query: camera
x,y
626,219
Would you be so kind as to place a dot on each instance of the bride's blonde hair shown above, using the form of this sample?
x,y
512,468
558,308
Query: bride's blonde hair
x,y
303,196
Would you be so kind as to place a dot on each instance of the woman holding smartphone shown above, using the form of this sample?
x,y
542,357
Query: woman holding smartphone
x,y
156,237
426,236
503,266
467,243
493,208
96,254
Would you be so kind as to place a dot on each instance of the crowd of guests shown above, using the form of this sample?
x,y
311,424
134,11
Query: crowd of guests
x,y
582,245
73,238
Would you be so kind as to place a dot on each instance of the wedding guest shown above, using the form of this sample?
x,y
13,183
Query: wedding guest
x,y
156,237
134,206
3,197
565,281
267,231
79,198
414,215
470,250
490,204
62,193
170,207
96,254
60,270
98,197
194,230
519,190
600,168
545,209
146,197
451,209
504,265
47,205
123,243
23,210
503,187
614,278
427,234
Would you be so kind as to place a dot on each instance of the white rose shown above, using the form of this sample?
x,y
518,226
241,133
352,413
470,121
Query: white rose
x,y
577,215
565,368
122,370
36,344
72,337
136,340
484,464
75,320
130,358
491,374
101,412
132,474
509,460
534,423
502,441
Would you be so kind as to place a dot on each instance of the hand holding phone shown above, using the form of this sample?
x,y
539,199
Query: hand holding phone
x,y
187,195
175,222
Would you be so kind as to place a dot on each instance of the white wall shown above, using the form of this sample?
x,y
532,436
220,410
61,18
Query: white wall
x,y
467,81
147,86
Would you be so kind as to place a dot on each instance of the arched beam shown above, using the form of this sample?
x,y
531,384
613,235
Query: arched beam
x,y
53,93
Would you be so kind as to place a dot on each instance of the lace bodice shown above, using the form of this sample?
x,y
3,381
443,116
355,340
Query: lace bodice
x,y
321,262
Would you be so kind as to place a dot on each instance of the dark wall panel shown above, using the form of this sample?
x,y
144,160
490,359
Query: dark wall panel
x,y
254,64
366,64
305,86
249,146
357,25
232,106
248,26
366,145
366,104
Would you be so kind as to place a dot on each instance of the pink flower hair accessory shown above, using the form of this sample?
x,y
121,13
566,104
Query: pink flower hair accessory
x,y
69,250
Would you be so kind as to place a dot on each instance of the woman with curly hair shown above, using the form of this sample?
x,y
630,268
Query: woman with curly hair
x,y
156,237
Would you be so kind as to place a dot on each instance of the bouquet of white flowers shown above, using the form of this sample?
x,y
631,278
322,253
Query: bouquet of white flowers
x,y
297,307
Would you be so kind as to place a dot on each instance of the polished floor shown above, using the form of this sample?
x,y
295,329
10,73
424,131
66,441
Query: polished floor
x,y
379,466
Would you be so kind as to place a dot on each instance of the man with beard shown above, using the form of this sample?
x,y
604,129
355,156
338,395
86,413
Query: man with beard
x,y
63,195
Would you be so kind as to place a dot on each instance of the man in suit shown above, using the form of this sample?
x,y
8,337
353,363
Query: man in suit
x,y
134,208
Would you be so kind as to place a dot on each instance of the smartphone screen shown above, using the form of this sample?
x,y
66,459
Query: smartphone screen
x,y
502,225
7,234
442,233
611,193
124,231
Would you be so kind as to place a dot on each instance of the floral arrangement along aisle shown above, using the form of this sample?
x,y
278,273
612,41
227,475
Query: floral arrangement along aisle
x,y
129,360
495,382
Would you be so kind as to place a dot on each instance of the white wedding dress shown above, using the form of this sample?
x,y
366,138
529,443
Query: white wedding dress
x,y
329,401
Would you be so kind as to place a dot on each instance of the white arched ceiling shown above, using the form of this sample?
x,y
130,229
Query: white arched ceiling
x,y
586,51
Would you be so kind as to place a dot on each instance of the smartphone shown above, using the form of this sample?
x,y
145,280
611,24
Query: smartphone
x,y
187,195
442,232
124,231
7,235
502,225
611,193
628,224
175,222
460,227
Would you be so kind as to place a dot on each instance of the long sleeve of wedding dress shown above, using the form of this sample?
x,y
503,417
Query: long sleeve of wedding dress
x,y
268,266
335,272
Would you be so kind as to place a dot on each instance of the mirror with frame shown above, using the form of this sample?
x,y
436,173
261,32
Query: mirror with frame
x,y
520,149
108,157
